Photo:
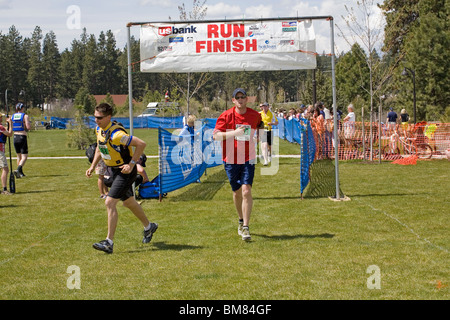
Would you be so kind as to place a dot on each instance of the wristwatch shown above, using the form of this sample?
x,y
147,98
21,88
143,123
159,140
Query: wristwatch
x,y
132,162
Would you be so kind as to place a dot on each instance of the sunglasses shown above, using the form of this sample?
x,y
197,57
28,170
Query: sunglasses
x,y
240,97
100,118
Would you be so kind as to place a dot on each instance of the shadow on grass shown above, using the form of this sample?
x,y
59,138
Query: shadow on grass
x,y
296,236
391,194
46,176
35,191
322,180
9,206
278,198
165,246
205,190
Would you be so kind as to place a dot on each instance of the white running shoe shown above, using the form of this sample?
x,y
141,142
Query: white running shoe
x,y
246,234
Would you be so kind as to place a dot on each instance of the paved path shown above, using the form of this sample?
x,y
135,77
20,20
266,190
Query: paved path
x,y
84,157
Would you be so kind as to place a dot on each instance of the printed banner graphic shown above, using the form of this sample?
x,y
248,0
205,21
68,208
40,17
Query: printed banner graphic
x,y
221,46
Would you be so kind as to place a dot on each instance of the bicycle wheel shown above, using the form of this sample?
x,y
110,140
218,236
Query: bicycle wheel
x,y
389,154
424,151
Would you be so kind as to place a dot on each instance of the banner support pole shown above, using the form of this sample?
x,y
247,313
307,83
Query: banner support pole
x,y
130,79
130,89
336,142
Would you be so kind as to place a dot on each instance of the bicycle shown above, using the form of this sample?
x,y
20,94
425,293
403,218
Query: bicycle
x,y
410,147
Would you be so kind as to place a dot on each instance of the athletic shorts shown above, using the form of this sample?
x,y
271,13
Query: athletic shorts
x,y
21,143
239,174
3,161
122,184
101,168
267,137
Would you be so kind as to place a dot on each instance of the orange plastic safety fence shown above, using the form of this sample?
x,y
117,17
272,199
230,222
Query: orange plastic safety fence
x,y
407,161
359,140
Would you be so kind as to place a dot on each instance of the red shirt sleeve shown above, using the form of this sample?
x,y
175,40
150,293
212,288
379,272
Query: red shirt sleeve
x,y
221,124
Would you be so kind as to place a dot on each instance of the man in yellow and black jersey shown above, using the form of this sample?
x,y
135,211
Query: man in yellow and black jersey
x,y
266,139
114,146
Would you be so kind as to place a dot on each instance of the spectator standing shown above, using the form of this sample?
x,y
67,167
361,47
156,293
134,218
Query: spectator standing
x,y
266,139
4,133
349,122
405,118
21,125
391,119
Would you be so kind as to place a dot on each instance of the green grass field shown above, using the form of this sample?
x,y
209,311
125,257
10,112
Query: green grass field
x,y
315,248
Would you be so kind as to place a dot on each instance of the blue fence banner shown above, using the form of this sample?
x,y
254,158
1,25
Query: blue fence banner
x,y
308,151
138,122
183,160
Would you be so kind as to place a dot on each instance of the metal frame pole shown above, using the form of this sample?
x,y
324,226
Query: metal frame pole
x,y
130,79
336,142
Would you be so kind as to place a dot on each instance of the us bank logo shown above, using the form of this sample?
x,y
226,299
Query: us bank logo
x,y
167,31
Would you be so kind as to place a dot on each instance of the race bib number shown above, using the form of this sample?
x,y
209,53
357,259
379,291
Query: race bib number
x,y
247,132
104,152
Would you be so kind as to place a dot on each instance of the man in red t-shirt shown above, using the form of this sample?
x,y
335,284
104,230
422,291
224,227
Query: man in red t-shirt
x,y
237,128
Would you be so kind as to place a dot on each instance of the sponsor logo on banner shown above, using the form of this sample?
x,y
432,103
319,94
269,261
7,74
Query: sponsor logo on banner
x,y
252,34
267,45
164,48
176,39
287,42
167,31
290,26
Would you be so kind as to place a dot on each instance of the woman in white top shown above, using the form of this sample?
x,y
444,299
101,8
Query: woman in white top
x,y
351,114
349,122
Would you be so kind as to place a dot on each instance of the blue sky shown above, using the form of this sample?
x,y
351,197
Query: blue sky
x,y
67,18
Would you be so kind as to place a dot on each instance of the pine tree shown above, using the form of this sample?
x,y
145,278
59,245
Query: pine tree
x,y
427,53
91,69
108,64
35,70
351,76
16,64
68,85
50,63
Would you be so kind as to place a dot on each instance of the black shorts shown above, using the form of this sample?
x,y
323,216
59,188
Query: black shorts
x,y
122,184
267,137
21,144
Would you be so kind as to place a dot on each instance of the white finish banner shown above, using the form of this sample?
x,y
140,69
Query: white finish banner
x,y
222,46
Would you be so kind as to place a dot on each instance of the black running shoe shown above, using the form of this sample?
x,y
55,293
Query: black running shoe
x,y
148,234
104,246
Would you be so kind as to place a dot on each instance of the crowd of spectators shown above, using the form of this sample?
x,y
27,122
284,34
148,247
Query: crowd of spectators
x,y
322,123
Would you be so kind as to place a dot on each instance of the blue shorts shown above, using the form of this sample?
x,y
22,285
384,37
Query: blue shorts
x,y
239,174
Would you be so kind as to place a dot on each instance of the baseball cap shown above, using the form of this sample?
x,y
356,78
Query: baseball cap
x,y
235,92
265,104
19,106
